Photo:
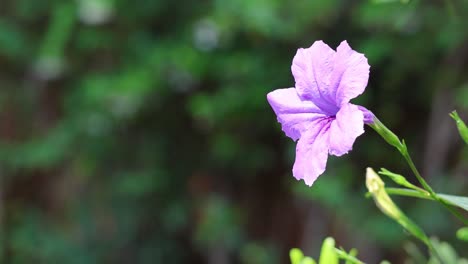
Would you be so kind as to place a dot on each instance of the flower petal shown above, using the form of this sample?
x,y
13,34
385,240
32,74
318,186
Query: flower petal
x,y
350,74
294,114
312,69
348,125
312,152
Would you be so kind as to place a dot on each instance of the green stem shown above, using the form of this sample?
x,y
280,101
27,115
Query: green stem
x,y
393,140
416,194
407,192
376,187
429,189
342,254
415,170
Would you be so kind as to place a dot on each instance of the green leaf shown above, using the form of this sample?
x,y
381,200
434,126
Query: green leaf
x,y
414,252
296,256
328,254
444,251
59,31
459,201
462,233
462,129
308,260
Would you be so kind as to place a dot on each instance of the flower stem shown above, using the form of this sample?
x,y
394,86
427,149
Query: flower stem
x,y
404,152
428,188
408,192
377,189
416,194
350,259
393,140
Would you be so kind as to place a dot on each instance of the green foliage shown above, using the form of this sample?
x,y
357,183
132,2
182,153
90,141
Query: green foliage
x,y
376,187
454,200
258,253
462,129
393,140
296,256
328,254
462,234
445,254
441,252
400,180
459,201
219,225
355,210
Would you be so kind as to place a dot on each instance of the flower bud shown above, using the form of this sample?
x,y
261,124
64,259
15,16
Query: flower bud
x,y
386,134
462,129
399,179
376,187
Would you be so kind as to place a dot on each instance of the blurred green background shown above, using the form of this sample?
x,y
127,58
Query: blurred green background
x,y
139,131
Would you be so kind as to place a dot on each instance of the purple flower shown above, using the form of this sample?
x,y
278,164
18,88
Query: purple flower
x,y
317,110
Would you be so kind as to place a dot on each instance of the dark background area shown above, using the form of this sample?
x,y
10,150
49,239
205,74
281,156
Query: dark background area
x,y
139,131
